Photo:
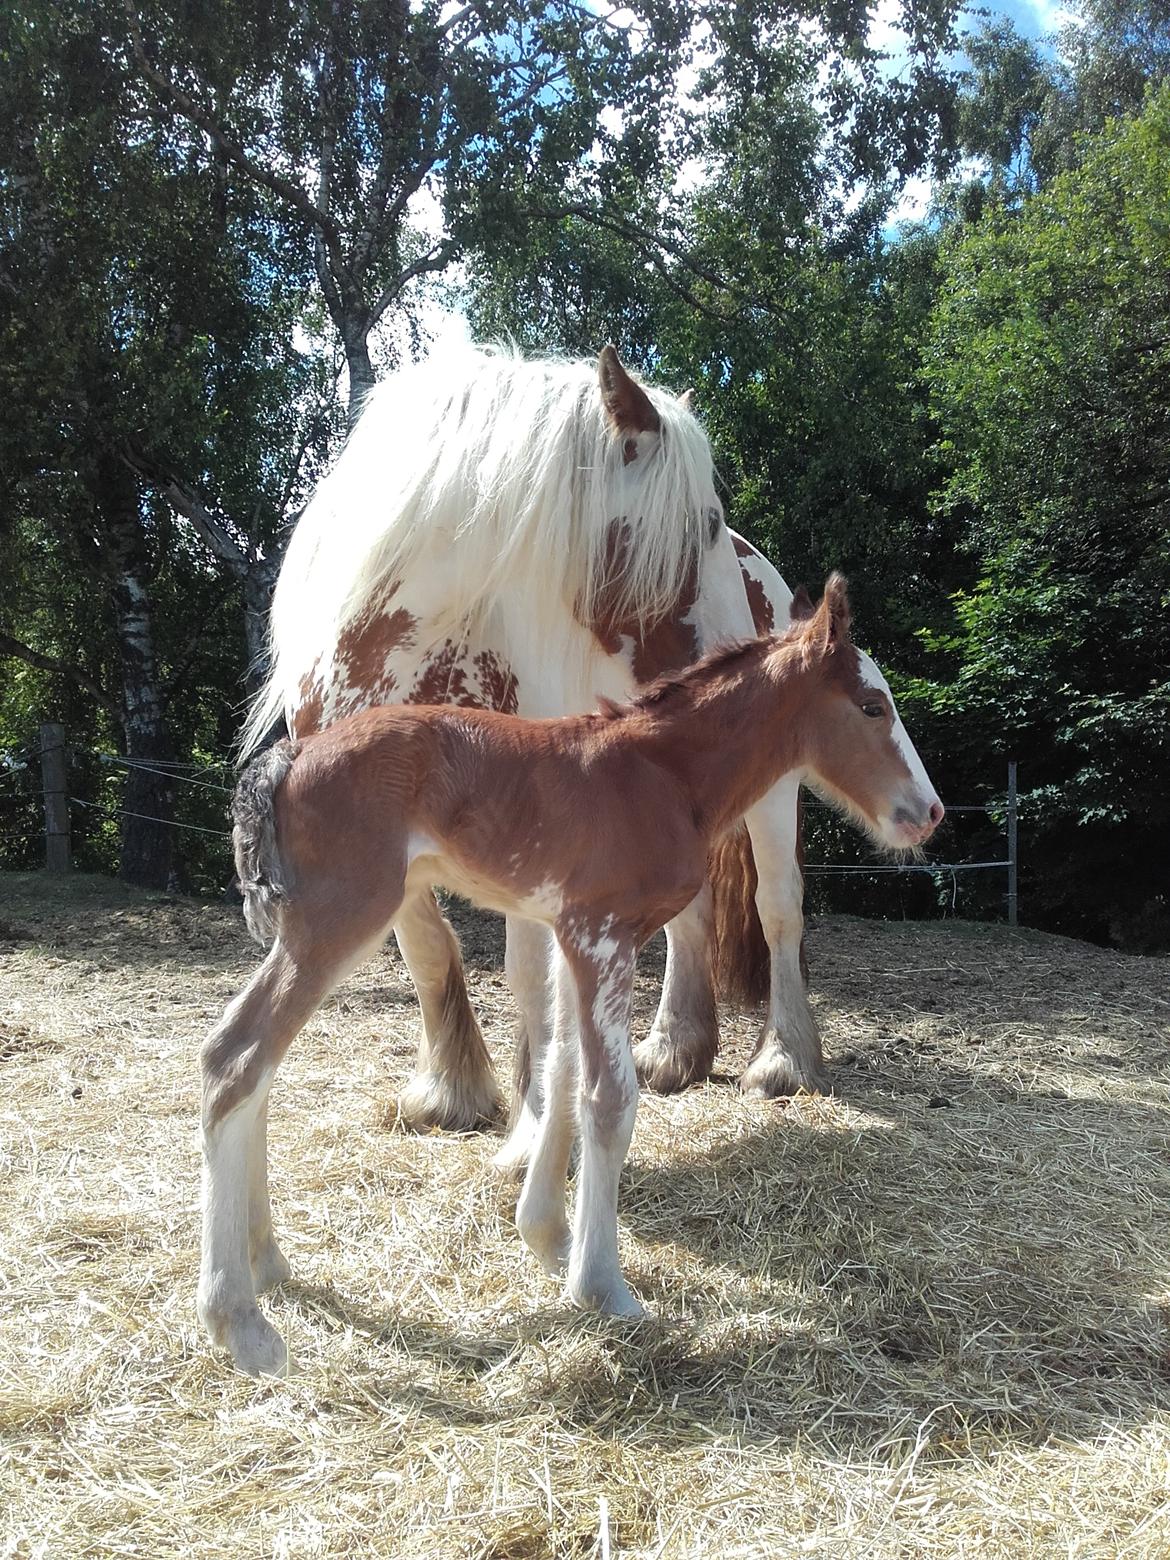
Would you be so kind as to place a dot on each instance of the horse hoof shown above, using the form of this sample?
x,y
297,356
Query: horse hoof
x,y
611,1298
668,1068
513,1155
548,1239
254,1344
774,1076
432,1101
269,1268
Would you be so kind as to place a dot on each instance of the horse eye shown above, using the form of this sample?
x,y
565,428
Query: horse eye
x,y
714,519
874,711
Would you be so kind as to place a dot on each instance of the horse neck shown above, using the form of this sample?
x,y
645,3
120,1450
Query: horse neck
x,y
731,735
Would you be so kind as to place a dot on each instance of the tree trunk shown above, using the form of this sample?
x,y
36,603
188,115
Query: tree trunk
x,y
258,585
148,856
361,373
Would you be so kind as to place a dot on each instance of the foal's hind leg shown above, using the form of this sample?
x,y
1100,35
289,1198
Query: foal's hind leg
x,y
269,1264
238,1062
454,1086
680,1048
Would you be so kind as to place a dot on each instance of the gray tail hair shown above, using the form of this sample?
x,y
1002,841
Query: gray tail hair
x,y
258,864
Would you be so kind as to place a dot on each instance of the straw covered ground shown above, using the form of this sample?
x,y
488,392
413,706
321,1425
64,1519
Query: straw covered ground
x,y
925,1317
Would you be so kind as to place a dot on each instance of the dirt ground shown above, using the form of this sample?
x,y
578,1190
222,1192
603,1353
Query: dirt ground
x,y
927,1316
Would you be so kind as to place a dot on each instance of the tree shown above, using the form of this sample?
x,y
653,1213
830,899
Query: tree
x,y
130,341
1048,363
1025,105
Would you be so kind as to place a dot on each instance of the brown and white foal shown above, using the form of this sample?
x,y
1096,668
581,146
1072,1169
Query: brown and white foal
x,y
597,825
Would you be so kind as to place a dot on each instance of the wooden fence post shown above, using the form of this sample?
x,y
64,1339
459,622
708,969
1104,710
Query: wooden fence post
x,y
58,854
1013,852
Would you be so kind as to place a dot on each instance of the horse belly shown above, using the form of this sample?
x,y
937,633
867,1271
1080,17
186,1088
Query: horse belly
x,y
430,866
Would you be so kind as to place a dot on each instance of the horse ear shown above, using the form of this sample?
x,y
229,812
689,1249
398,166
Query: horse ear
x,y
802,605
835,604
829,624
687,401
628,407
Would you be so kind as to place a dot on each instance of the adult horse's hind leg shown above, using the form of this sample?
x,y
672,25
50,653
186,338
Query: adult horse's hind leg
x,y
680,1048
454,1086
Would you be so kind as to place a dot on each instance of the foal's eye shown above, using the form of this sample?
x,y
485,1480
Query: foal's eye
x,y
874,711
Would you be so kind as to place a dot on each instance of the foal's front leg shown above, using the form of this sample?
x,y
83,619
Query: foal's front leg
x,y
530,961
540,1212
602,962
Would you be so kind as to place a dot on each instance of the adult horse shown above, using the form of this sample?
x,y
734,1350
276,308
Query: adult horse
x,y
526,536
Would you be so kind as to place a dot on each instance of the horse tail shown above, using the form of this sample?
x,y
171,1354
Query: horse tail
x,y
258,864
740,959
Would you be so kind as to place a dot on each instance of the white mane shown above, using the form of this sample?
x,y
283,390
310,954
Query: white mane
x,y
505,475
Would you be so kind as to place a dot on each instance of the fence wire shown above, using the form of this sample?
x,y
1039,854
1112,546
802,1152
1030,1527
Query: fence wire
x,y
172,769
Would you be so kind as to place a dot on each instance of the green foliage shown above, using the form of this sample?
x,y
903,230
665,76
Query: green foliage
x,y
206,210
1049,361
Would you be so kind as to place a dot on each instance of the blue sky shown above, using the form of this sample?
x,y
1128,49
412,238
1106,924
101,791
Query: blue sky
x,y
1032,19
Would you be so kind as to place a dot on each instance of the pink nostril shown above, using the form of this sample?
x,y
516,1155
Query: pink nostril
x,y
937,813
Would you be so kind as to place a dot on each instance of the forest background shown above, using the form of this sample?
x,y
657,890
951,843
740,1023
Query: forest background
x,y
914,262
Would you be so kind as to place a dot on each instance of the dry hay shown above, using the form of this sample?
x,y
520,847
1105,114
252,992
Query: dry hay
x,y
927,1317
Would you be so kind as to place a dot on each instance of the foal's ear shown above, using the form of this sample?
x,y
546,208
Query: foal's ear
x,y
829,624
802,605
628,407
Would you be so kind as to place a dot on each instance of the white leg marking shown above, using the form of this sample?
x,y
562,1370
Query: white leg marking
x,y
540,1213
453,1086
227,1296
608,1106
788,1057
529,963
269,1264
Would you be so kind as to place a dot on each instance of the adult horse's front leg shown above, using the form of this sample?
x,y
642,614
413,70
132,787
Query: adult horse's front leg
x,y
788,1056
530,962
680,1048
454,1086
540,1212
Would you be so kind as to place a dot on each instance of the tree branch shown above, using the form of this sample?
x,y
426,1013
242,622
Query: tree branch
x,y
211,531
436,259
231,149
650,241
16,650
